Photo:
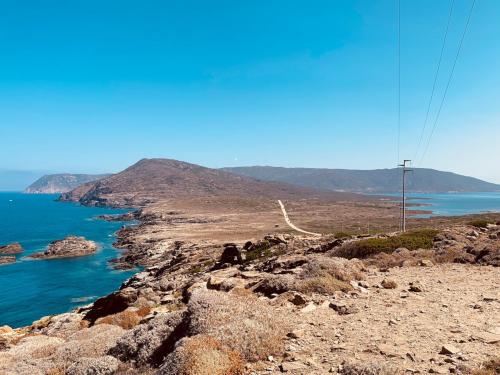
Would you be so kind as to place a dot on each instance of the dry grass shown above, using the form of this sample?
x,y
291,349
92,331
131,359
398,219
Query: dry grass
x,y
491,367
323,284
243,323
203,355
339,268
127,319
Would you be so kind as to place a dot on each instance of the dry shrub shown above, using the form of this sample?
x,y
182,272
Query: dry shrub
x,y
36,347
339,268
143,311
276,284
413,258
389,284
491,367
323,284
243,323
418,239
127,319
202,355
367,369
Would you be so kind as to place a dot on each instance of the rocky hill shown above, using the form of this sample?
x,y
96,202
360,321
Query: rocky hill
x,y
368,181
150,180
61,183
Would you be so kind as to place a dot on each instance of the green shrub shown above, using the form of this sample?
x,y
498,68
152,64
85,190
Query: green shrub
x,y
343,235
418,239
479,223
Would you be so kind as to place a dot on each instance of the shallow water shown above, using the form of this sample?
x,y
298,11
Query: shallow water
x,y
30,289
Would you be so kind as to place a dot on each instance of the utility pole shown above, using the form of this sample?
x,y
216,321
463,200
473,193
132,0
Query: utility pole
x,y
403,216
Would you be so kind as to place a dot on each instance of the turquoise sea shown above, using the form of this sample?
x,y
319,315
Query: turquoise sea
x,y
30,289
454,204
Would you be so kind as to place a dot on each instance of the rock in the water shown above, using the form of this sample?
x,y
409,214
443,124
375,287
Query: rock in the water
x,y
13,248
69,247
7,260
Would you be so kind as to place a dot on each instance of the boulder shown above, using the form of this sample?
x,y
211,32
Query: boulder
x,y
7,259
13,248
111,304
67,248
231,254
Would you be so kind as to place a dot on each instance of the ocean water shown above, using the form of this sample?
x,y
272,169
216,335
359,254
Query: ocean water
x,y
455,204
30,289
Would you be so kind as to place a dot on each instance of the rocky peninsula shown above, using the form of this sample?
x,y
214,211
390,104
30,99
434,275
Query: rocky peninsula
x,y
67,248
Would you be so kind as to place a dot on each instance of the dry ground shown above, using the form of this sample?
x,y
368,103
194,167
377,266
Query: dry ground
x,y
403,331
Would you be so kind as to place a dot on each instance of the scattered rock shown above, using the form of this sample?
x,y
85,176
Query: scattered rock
x,y
425,263
342,309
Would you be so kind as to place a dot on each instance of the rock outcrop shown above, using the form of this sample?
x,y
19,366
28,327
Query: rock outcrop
x,y
67,248
13,248
7,259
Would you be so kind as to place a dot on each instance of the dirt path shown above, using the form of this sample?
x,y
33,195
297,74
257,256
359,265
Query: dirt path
x,y
290,224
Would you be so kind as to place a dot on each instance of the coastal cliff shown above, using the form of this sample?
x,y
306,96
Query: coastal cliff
x,y
61,183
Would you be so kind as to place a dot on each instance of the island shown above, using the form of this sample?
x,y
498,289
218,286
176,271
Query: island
x,y
69,247
13,248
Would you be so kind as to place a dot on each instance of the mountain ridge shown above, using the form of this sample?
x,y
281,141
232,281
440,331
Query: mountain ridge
x,y
422,180
150,180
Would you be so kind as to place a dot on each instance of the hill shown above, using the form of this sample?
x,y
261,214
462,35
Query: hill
x,y
150,180
61,183
368,181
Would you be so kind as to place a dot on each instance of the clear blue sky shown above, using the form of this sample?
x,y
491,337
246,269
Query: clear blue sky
x,y
93,86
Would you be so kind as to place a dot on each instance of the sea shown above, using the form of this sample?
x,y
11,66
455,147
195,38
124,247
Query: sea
x,y
456,204
31,289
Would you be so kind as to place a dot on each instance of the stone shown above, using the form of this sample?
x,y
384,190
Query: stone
x,y
296,334
388,284
310,307
342,309
7,259
416,287
425,263
449,350
292,366
231,254
13,248
298,299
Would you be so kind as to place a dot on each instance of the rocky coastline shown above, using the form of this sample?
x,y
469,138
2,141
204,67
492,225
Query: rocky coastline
x,y
200,303
13,248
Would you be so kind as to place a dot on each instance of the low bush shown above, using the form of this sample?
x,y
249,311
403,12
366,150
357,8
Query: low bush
x,y
491,367
243,323
127,319
479,223
419,239
323,284
202,355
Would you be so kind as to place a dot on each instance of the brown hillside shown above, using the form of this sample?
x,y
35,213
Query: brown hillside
x,y
150,180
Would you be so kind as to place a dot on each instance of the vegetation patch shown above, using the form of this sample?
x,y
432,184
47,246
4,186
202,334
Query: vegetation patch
x,y
479,223
418,239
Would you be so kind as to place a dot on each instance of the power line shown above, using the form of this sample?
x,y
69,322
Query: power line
x,y
399,76
449,81
435,80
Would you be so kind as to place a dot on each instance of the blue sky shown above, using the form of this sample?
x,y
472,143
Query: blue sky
x,y
93,86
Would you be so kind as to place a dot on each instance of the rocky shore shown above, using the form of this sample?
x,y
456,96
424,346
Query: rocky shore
x,y
7,259
67,248
353,305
